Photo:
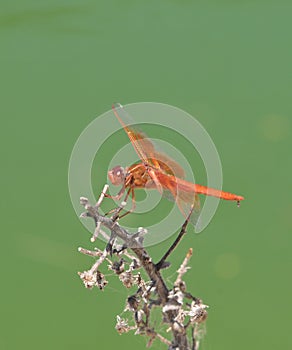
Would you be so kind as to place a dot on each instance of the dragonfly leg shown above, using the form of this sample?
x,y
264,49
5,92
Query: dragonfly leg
x,y
133,207
118,196
117,210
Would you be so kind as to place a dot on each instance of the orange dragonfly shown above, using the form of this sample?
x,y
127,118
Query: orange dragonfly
x,y
158,171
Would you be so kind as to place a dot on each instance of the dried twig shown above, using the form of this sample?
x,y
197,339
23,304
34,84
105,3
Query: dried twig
x,y
136,269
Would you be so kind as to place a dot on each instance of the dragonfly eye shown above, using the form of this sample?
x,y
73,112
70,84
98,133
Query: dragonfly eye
x,y
117,175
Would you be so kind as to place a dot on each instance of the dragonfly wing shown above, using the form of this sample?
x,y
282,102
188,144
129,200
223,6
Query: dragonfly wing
x,y
183,193
144,147
169,166
186,207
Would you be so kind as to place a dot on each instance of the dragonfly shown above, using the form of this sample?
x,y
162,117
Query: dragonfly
x,y
156,170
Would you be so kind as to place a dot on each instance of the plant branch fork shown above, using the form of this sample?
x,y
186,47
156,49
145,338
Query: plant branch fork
x,y
131,262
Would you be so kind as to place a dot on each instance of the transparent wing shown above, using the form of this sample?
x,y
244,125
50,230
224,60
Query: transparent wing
x,y
144,147
183,194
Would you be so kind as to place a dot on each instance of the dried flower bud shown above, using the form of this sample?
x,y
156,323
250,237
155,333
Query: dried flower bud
x,y
101,282
198,312
127,279
122,325
88,278
83,201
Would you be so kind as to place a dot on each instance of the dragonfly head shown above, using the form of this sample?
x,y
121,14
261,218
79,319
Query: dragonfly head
x,y
117,175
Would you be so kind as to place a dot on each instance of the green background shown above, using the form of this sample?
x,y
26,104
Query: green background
x,y
65,62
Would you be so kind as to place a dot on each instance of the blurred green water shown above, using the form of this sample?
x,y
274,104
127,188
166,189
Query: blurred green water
x,y
62,64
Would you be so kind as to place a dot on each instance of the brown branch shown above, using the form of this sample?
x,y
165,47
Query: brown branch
x,y
179,316
161,263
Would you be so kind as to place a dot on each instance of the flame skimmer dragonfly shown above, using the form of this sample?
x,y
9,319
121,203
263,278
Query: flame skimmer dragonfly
x,y
158,171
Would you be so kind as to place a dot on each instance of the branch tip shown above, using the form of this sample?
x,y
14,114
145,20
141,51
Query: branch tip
x,y
83,201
